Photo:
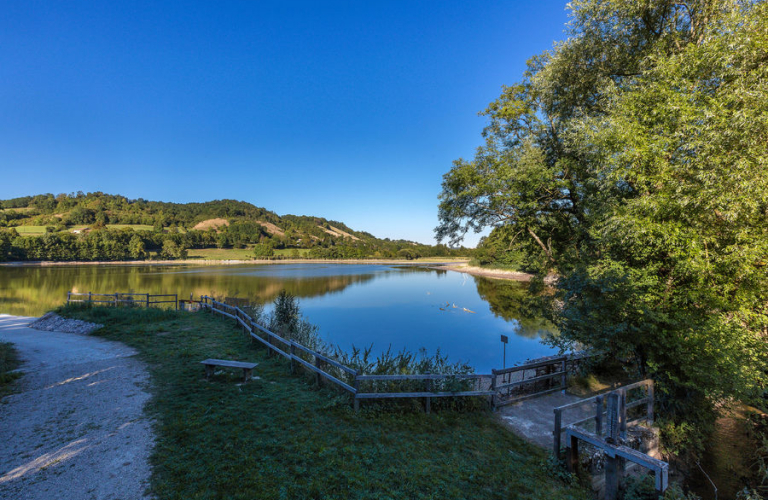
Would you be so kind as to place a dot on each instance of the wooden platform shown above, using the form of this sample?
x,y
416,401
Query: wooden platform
x,y
211,363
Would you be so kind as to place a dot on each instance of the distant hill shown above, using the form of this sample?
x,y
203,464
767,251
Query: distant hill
x,y
99,226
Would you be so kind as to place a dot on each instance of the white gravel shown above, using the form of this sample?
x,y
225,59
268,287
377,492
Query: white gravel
x,y
52,322
75,429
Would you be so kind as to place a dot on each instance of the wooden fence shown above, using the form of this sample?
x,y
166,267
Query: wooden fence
x,y
123,299
632,396
501,386
605,427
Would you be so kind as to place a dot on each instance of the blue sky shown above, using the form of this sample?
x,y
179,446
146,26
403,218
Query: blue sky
x,y
351,111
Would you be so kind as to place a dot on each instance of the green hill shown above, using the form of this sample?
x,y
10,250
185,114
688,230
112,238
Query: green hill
x,y
99,226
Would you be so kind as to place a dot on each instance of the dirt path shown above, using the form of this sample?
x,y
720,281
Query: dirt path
x,y
75,429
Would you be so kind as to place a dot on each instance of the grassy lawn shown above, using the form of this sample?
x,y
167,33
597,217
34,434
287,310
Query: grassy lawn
x,y
8,363
280,437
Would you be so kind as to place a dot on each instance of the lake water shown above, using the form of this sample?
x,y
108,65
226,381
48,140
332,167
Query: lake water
x,y
405,307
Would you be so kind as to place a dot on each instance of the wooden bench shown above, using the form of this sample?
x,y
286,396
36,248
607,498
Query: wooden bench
x,y
210,363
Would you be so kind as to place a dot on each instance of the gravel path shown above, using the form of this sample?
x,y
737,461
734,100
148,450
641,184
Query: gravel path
x,y
75,429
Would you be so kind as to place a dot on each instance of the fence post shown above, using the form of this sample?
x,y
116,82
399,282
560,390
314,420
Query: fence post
x,y
176,300
293,353
429,400
649,405
147,300
493,389
68,295
115,300
563,380
90,299
572,452
599,415
612,437
318,378
556,433
622,413
357,388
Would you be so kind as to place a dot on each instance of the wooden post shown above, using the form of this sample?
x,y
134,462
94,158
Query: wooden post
x,y
563,380
356,385
599,415
611,477
68,296
293,353
612,437
147,301
662,480
318,378
572,452
649,404
556,433
429,400
115,300
176,300
493,389
622,413
90,299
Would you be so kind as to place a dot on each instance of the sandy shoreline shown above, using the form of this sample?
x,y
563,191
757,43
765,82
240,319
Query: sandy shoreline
x,y
489,273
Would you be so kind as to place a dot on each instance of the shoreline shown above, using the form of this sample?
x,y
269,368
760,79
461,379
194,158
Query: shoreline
x,y
461,266
209,262
500,274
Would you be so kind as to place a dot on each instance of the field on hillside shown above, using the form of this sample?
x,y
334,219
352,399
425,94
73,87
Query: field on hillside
x,y
30,230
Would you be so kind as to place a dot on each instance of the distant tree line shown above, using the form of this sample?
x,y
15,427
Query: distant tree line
x,y
166,230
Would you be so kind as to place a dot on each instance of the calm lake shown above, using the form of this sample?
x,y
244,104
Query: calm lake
x,y
405,307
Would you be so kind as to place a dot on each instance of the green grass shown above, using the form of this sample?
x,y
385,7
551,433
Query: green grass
x,y
280,437
8,362
30,230
221,253
135,227
289,252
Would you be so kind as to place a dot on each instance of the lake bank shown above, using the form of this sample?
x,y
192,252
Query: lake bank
x,y
298,441
396,304
458,265
230,262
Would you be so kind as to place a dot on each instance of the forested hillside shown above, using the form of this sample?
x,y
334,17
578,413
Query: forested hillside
x,y
98,226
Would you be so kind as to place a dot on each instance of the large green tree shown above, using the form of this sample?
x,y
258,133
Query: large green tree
x,y
631,160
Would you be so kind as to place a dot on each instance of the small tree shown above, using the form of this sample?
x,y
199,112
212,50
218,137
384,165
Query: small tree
x,y
137,248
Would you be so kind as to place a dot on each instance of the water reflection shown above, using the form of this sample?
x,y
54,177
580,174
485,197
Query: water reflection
x,y
403,307
506,299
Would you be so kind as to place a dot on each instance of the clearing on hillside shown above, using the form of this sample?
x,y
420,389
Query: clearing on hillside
x,y
211,223
334,231
271,228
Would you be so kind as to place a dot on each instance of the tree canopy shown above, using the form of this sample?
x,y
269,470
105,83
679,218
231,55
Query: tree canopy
x,y
631,161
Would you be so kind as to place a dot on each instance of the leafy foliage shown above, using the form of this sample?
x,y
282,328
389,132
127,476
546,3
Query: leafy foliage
x,y
631,160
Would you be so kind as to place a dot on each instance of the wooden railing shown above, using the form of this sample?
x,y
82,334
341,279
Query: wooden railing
x,y
501,386
123,299
609,429
631,396
346,378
